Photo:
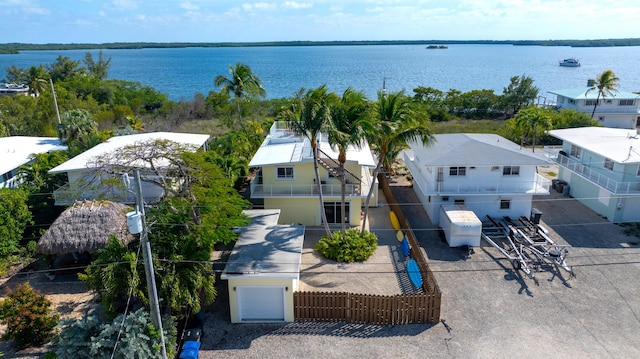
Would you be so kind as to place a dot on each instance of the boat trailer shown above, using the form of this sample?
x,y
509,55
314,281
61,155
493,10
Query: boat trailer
x,y
526,245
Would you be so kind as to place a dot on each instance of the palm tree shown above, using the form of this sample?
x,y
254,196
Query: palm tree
x,y
37,80
346,129
531,120
242,82
308,116
605,83
393,127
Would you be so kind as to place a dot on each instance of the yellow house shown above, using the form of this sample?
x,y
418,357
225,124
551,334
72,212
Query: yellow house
x,y
263,269
285,179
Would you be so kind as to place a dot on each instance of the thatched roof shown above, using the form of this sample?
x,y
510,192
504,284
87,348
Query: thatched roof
x,y
86,227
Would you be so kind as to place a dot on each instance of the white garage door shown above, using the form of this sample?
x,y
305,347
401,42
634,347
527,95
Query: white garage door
x,y
260,303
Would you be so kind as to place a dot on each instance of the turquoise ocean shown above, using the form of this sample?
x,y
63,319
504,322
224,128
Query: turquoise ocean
x,y
182,72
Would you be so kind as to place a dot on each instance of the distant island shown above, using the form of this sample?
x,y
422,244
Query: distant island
x,y
14,48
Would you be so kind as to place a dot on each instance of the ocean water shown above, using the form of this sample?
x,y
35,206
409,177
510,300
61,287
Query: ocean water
x,y
182,72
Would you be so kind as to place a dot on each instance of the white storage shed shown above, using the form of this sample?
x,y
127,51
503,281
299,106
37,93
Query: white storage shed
x,y
263,269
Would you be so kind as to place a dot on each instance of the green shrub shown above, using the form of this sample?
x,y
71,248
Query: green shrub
x,y
91,338
350,249
28,316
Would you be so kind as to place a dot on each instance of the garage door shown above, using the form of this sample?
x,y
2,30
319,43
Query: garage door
x,y
260,303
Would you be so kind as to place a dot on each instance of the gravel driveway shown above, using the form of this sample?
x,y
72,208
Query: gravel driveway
x,y
488,309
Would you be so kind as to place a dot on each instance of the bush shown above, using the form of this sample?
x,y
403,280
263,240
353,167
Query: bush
x,y
28,316
91,338
350,249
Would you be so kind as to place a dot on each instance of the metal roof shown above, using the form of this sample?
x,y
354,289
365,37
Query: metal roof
x,y
474,149
280,151
17,150
83,160
583,93
266,249
616,144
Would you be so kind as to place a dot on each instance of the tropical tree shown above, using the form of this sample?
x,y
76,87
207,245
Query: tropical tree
x,y
308,116
519,94
199,212
345,129
531,121
14,217
242,83
393,127
63,68
77,130
37,80
98,69
605,84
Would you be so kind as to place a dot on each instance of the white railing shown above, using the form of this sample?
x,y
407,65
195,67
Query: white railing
x,y
511,184
598,178
303,190
539,185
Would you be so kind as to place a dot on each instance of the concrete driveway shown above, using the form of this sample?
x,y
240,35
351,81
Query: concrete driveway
x,y
488,309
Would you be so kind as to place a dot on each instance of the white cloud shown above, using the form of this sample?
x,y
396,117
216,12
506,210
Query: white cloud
x,y
259,6
188,5
296,5
124,5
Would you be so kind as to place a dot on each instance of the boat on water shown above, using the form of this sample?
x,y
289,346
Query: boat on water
x,y
437,47
13,89
570,62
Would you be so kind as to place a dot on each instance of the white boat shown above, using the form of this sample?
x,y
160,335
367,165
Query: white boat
x,y
570,62
13,89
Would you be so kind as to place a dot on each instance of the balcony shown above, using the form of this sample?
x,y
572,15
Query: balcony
x,y
539,185
598,178
301,190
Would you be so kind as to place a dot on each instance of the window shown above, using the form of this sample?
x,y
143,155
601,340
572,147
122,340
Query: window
x,y
458,201
638,173
285,173
457,171
495,168
575,151
510,170
590,102
505,203
608,164
628,102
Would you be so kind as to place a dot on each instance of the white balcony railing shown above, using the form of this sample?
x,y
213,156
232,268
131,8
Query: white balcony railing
x,y
302,190
613,186
509,185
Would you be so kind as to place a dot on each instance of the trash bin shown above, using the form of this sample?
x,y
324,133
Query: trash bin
x,y
559,187
554,183
565,190
535,215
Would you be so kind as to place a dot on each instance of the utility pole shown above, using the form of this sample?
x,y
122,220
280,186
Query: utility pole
x,y
148,265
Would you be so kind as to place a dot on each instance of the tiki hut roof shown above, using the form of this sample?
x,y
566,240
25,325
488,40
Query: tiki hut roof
x,y
86,227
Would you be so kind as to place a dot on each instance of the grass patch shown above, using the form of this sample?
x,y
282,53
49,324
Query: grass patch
x,y
468,126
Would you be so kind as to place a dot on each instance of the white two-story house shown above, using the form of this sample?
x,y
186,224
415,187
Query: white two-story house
x,y
87,182
617,110
488,173
602,168
18,150
286,180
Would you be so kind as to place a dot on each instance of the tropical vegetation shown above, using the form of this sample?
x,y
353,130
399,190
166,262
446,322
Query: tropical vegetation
x,y
76,101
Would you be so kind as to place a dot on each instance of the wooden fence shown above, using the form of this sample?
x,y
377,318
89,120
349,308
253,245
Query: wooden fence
x,y
367,308
377,309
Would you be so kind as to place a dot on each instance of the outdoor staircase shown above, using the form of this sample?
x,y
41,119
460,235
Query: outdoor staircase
x,y
330,167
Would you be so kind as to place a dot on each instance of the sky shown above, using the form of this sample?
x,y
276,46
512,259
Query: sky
x,y
101,21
